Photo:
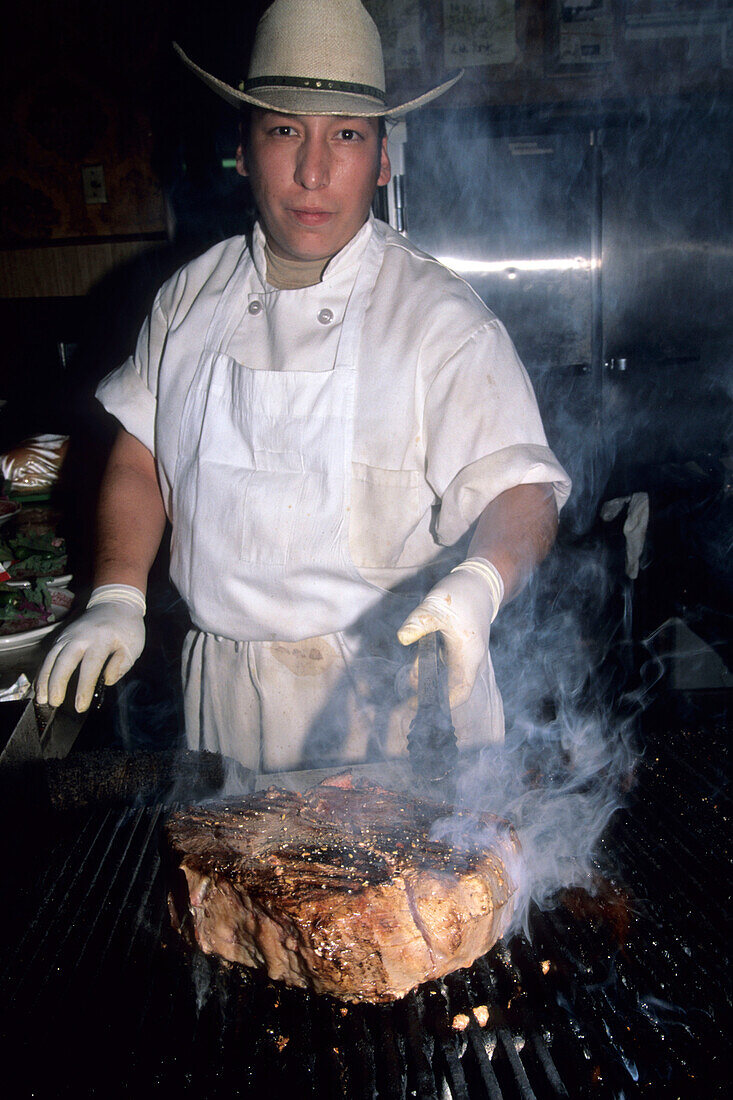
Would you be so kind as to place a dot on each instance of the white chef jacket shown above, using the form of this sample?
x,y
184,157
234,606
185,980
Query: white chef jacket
x,y
446,418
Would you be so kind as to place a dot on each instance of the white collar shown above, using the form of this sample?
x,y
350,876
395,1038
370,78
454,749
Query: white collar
x,y
349,256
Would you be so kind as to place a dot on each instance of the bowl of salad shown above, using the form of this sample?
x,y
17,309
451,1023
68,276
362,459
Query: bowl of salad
x,y
33,580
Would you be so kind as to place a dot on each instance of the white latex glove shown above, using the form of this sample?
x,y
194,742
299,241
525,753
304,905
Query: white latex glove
x,y
111,627
462,607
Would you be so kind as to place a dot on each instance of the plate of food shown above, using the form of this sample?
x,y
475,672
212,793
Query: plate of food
x,y
25,638
30,612
30,554
51,582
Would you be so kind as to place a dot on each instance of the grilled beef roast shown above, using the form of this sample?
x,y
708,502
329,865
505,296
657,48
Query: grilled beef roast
x,y
344,889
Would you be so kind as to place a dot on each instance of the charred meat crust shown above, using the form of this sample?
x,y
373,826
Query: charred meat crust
x,y
340,889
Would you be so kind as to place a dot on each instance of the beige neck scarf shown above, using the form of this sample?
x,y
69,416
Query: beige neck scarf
x,y
292,274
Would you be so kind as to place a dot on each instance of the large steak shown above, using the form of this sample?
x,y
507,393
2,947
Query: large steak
x,y
342,890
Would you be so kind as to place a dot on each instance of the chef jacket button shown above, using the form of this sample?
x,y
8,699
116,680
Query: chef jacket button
x,y
325,316
255,307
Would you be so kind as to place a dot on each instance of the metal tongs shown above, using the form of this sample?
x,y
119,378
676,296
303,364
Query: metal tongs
x,y
432,739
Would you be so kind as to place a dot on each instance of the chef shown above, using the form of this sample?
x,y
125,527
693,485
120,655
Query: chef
x,y
340,433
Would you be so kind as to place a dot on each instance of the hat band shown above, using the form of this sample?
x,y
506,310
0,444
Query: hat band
x,y
311,83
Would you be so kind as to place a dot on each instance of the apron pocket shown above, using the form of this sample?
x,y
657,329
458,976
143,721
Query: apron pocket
x,y
385,509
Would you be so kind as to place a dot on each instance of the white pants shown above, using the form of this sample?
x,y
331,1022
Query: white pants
x,y
278,706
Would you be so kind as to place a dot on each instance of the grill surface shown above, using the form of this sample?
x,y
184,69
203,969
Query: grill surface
x,y
618,995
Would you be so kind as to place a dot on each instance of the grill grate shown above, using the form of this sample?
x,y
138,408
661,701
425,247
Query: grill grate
x,y
618,996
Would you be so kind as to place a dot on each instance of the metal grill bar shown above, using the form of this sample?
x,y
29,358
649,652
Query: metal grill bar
x,y
449,1049
583,1008
539,1003
662,970
619,1018
132,884
692,839
82,904
670,912
679,753
539,1047
116,857
461,1001
420,1077
391,1069
54,886
481,1042
73,885
492,981
674,779
578,998
449,1071
147,914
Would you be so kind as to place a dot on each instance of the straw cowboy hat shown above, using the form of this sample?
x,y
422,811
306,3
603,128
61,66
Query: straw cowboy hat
x,y
316,57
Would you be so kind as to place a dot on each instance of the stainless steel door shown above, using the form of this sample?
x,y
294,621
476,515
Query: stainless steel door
x,y
605,244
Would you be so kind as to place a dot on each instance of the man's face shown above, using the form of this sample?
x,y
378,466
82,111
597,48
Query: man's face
x,y
313,178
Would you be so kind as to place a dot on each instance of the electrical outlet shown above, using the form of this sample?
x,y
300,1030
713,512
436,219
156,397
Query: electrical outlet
x,y
92,179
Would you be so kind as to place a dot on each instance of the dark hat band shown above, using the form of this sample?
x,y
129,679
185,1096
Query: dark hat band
x,y
311,83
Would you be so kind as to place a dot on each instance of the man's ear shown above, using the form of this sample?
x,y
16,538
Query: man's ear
x,y
385,168
241,163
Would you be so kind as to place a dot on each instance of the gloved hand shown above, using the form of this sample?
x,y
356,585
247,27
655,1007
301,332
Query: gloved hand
x,y
111,627
462,607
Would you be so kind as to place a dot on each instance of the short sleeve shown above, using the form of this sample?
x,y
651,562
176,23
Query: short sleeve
x,y
484,432
130,391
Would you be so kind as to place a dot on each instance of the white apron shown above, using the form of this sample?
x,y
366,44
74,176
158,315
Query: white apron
x,y
260,553
260,547
320,702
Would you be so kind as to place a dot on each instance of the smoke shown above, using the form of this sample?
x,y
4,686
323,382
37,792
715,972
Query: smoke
x,y
559,786
631,389
569,755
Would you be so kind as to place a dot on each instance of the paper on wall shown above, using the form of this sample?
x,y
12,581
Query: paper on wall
x,y
398,22
585,32
478,32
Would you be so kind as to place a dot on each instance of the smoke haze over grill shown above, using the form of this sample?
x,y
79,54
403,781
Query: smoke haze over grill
x,y
629,350
568,755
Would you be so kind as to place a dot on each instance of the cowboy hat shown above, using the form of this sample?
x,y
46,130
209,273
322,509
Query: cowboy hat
x,y
316,57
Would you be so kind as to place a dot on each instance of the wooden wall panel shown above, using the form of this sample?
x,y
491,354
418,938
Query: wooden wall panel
x,y
64,271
